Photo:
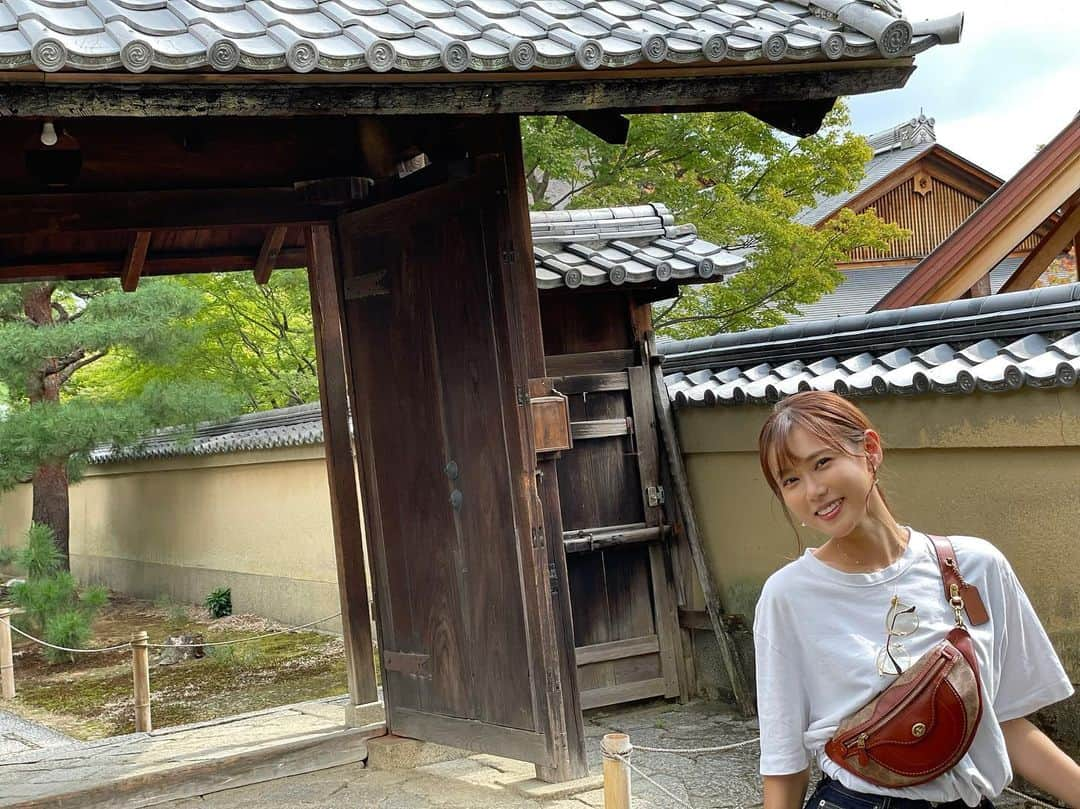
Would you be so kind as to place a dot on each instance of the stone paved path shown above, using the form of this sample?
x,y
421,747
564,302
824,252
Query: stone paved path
x,y
726,780
18,735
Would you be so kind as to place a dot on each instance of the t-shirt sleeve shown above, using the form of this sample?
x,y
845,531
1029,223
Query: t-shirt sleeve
x,y
1030,674
783,708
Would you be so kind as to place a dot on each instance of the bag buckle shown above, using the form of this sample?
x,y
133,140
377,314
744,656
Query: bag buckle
x,y
957,603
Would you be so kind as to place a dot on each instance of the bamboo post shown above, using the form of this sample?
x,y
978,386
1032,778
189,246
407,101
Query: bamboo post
x,y
140,669
7,667
616,771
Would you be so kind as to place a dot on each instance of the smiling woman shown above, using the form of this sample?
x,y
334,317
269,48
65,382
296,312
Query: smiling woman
x,y
870,603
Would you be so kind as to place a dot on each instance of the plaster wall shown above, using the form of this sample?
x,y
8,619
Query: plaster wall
x,y
258,522
1003,466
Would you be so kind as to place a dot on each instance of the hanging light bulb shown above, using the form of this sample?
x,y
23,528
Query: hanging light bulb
x,y
48,134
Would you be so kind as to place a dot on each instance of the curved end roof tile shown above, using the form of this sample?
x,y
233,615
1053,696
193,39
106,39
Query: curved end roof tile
x,y
299,36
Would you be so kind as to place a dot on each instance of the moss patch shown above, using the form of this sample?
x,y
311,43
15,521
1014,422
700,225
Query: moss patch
x,y
92,698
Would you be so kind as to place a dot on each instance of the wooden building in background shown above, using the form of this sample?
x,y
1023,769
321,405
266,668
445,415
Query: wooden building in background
x,y
917,183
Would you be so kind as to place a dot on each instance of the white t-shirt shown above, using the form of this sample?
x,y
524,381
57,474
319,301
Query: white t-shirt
x,y
817,634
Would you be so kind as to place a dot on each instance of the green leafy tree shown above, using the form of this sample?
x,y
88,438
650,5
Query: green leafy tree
x,y
49,334
740,181
254,341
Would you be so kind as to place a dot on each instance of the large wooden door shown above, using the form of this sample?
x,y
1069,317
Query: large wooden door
x,y
467,643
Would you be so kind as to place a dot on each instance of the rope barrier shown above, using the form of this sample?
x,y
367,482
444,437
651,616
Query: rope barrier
x,y
1035,801
65,648
172,645
694,750
625,759
241,640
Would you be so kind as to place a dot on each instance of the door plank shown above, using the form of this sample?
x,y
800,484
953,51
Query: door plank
x,y
472,735
624,692
614,650
333,365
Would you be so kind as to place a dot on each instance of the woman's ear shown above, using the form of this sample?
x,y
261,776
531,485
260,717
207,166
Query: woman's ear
x,y
872,446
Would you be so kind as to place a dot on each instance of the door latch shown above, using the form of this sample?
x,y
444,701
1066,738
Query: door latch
x,y
654,495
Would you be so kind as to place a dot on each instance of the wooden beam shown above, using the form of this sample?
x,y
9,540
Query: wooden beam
x,y
1053,244
134,262
173,263
609,126
624,692
49,214
334,367
268,254
600,428
705,88
595,539
794,119
617,649
591,362
981,288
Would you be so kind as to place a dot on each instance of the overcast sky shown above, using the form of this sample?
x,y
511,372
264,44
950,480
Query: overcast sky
x,y
1010,85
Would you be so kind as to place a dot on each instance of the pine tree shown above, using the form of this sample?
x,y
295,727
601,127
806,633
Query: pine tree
x,y
49,332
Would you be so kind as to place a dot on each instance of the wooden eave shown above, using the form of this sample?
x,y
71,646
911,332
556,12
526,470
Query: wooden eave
x,y
1014,212
774,91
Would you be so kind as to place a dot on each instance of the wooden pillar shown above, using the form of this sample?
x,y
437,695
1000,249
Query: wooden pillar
x,y
616,771
7,666
140,671
334,367
563,698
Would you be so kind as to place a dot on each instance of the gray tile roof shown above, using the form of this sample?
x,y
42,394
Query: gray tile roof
x,y
862,288
995,343
447,35
634,244
893,149
287,427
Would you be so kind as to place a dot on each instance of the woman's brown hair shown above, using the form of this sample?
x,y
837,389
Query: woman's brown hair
x,y
829,417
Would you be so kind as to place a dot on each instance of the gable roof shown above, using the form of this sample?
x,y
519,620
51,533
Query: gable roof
x,y
995,343
1017,209
893,149
448,36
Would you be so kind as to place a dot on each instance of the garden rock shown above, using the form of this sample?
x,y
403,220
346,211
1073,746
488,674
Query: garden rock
x,y
5,588
182,647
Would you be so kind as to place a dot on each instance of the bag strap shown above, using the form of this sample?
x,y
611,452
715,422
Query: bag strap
x,y
959,594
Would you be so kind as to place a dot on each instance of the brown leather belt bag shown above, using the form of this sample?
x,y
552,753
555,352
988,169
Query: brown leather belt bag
x,y
922,724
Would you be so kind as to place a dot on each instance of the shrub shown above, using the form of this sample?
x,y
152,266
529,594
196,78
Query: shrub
x,y
54,609
219,602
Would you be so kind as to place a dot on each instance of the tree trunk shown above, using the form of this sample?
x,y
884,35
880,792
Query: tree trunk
x,y
50,484
51,504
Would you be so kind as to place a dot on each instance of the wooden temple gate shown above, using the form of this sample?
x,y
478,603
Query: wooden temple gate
x,y
428,327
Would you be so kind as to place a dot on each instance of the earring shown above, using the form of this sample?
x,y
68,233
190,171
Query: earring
x,y
803,524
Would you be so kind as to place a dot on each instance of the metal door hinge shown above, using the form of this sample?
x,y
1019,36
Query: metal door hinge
x,y
553,578
509,255
655,496
522,395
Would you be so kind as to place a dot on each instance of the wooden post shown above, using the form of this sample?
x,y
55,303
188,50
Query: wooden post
x,y
677,468
334,365
616,771
140,669
7,667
